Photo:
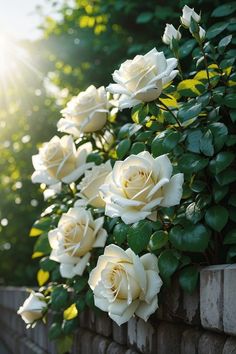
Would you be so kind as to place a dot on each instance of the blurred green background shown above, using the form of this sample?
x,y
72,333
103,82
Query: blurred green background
x,y
80,43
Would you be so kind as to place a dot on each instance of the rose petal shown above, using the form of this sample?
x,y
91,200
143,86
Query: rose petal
x,y
173,191
144,309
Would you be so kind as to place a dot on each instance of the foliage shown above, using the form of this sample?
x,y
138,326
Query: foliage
x,y
193,122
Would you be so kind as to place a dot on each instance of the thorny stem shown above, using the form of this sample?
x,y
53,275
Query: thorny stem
x,y
170,111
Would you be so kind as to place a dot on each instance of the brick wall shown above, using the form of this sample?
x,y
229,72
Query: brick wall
x,y
203,323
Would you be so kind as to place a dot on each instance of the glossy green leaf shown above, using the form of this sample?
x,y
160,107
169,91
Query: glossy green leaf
x,y
220,134
158,240
226,177
230,100
123,148
187,48
193,213
216,29
168,264
42,244
216,217
193,238
206,144
224,10
219,192
191,88
120,233
137,148
139,235
144,17
221,161
59,298
189,111
224,42
188,278
230,237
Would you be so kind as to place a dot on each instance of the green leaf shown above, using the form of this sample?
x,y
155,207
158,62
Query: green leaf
x,y
47,264
193,140
120,233
192,163
220,134
187,48
68,326
59,298
230,100
216,29
233,116
193,213
144,136
139,235
168,264
144,17
157,147
221,161
128,129
42,244
224,10
191,88
216,217
95,157
188,278
232,199
123,148
171,140
153,109
224,42
206,145
80,284
198,186
137,148
189,111
158,240
64,344
55,331
226,177
231,254
193,238
89,298
219,192
230,237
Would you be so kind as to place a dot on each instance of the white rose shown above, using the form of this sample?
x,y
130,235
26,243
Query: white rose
x,y
142,79
58,160
125,284
33,308
170,33
71,242
90,184
189,13
202,33
139,184
85,113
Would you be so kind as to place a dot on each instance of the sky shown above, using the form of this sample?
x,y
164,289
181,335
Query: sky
x,y
19,19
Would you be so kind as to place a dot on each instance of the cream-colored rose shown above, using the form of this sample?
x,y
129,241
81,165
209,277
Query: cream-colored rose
x,y
58,160
170,33
125,284
33,308
71,242
90,184
85,113
202,33
142,79
140,184
189,13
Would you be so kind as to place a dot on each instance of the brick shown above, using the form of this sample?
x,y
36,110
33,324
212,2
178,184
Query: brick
x,y
191,307
229,314
91,320
169,338
172,300
146,338
83,319
211,297
86,342
230,346
211,343
115,348
119,333
132,331
189,342
100,345
131,351
103,324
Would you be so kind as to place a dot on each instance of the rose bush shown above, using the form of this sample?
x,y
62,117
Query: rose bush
x,y
33,308
71,242
58,160
124,284
143,78
140,183
160,191
85,113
